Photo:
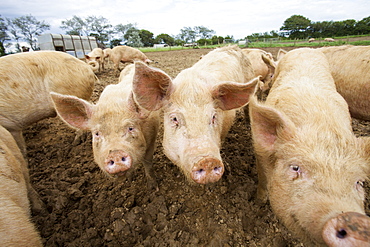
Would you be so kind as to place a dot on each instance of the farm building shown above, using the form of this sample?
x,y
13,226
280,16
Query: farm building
x,y
75,45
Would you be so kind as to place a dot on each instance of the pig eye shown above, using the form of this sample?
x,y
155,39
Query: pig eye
x,y
360,185
130,129
295,171
295,168
214,119
96,134
174,120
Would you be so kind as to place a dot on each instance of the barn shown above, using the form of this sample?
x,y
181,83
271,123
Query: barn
x,y
75,45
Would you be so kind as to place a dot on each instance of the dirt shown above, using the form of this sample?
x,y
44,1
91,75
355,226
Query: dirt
x,y
87,208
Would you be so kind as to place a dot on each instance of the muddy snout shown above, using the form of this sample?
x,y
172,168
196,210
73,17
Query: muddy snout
x,y
117,162
347,229
207,170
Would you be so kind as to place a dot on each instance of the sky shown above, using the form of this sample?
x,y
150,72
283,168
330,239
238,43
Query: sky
x,y
238,18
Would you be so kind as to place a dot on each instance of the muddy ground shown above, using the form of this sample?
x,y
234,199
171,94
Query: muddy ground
x,y
86,208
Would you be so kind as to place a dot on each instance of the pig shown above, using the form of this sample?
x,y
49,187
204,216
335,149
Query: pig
x,y
310,165
350,68
263,65
311,40
127,54
123,132
199,107
107,52
329,40
96,59
16,228
26,80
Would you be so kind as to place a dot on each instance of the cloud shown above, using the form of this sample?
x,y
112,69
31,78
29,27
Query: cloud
x,y
226,17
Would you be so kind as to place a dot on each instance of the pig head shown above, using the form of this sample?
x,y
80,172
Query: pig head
x,y
199,108
310,164
123,133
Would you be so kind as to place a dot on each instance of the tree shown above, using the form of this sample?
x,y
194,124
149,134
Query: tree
x,y
75,26
121,29
129,32
164,39
363,26
296,26
217,40
146,38
203,32
3,35
100,26
134,39
187,34
29,28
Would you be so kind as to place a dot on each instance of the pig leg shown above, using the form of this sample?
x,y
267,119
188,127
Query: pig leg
x,y
148,166
19,139
262,193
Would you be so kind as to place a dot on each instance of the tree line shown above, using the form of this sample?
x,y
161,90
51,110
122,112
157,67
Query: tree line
x,y
27,28
300,27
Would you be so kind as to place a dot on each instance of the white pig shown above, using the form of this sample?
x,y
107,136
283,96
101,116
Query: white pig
x,y
199,108
310,164
26,80
263,65
350,68
16,228
127,54
123,133
96,59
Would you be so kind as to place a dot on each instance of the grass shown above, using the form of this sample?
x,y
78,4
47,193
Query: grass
x,y
281,43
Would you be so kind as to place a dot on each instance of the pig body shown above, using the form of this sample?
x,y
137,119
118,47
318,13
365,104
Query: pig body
x,y
350,68
263,65
310,164
127,54
199,108
16,228
26,80
96,59
123,133
107,52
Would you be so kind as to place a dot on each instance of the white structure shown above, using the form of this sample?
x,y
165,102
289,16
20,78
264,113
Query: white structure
x,y
160,45
75,45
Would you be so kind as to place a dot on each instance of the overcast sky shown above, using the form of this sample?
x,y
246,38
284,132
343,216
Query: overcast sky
x,y
226,17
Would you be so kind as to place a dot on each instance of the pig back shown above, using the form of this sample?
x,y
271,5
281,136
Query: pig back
x,y
303,88
127,54
15,226
228,63
27,79
350,68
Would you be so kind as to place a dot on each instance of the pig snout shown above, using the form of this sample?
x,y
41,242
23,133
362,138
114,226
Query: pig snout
x,y
207,170
347,229
117,162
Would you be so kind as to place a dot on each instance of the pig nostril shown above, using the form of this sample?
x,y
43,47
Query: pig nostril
x,y
111,162
123,159
341,233
217,169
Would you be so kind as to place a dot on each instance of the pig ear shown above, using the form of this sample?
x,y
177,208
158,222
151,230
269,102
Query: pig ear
x,y
269,61
150,86
73,110
268,125
232,95
281,54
